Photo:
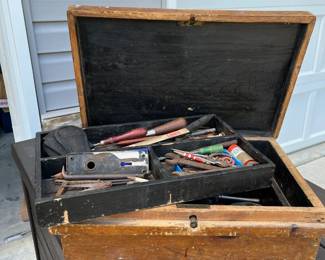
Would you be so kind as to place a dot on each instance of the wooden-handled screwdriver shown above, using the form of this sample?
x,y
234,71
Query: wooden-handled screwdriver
x,y
168,127
183,131
143,132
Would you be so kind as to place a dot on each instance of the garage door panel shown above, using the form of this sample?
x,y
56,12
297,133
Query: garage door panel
x,y
52,37
316,125
59,95
294,120
56,67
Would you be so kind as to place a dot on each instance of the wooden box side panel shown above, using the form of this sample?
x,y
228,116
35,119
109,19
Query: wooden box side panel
x,y
295,173
190,247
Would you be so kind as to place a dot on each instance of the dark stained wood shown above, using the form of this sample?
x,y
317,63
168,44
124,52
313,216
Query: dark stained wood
x,y
294,173
164,189
130,53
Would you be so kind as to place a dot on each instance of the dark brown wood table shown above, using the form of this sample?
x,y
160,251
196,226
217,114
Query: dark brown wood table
x,y
48,246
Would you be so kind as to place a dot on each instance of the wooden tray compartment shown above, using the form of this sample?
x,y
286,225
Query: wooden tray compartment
x,y
97,133
163,189
161,150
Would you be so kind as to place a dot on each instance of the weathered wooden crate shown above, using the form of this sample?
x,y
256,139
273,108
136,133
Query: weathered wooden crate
x,y
146,64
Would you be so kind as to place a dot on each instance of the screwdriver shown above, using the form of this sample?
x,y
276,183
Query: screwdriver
x,y
143,132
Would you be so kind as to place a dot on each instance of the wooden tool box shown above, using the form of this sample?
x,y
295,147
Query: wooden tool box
x,y
145,64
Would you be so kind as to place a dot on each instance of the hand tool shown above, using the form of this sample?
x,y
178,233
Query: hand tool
x,y
127,162
142,132
132,141
203,132
175,159
94,184
237,162
216,148
190,128
198,158
168,127
226,158
135,133
178,168
85,186
65,176
241,155
224,197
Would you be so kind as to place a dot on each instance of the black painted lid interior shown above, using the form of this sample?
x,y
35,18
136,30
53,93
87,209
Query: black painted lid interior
x,y
141,70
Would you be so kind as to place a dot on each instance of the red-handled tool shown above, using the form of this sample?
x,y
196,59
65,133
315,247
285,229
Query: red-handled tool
x,y
143,132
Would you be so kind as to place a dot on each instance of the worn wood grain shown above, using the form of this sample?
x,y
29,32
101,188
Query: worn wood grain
x,y
77,68
202,15
293,79
222,213
219,242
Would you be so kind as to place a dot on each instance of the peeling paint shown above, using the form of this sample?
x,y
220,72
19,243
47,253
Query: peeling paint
x,y
66,217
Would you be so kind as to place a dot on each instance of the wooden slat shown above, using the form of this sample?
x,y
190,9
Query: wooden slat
x,y
221,213
294,76
200,15
77,67
204,228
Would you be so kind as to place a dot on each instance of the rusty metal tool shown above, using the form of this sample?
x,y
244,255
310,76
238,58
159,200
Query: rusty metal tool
x,y
198,158
203,132
127,162
175,159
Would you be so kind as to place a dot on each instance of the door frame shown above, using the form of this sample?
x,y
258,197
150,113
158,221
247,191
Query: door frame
x,y
17,70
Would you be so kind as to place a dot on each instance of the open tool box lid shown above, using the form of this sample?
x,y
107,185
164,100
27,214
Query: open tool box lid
x,y
144,64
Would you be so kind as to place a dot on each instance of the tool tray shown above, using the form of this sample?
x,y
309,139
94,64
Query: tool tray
x,y
137,65
162,188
